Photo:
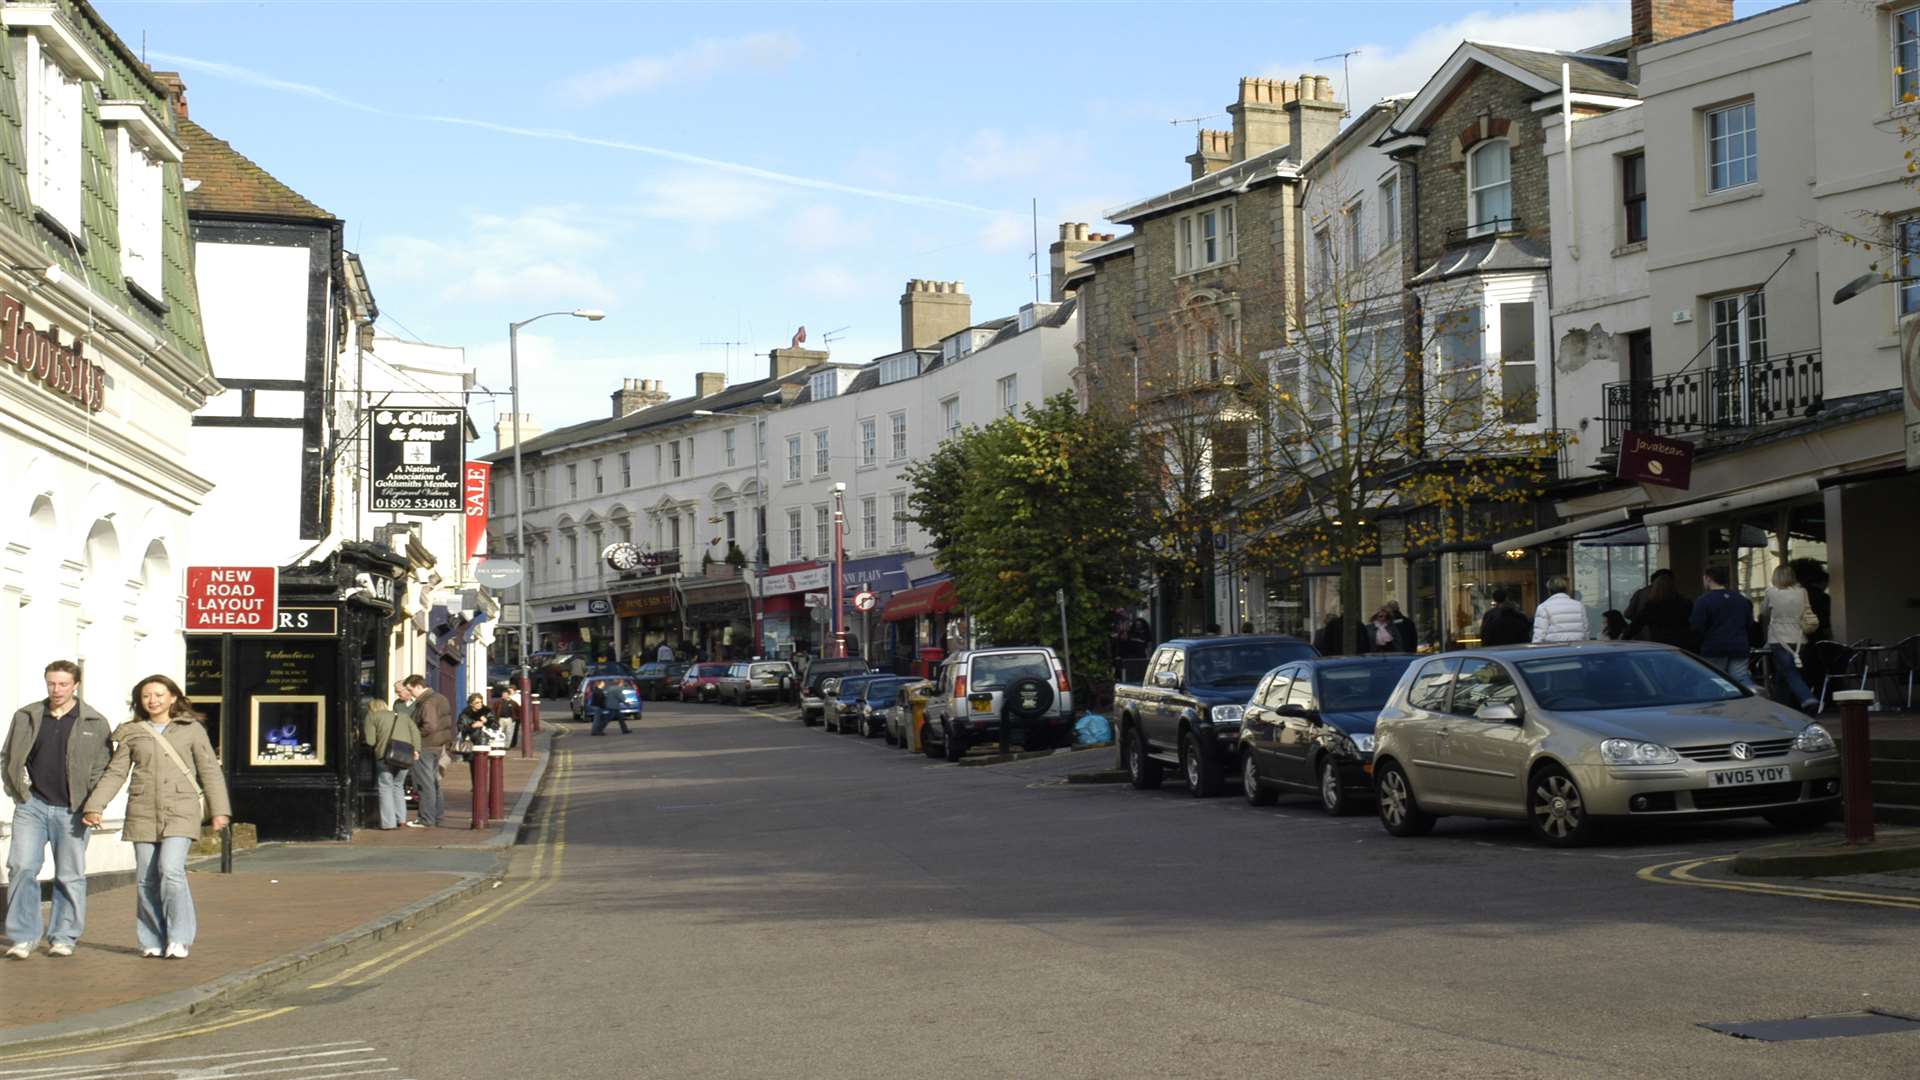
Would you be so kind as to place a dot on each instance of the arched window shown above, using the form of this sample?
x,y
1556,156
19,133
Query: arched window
x,y
1490,186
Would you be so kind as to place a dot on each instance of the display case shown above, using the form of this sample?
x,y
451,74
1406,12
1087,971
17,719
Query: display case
x,y
287,730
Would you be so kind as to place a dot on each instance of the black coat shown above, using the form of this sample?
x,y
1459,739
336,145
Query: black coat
x,y
1667,622
1504,625
1329,639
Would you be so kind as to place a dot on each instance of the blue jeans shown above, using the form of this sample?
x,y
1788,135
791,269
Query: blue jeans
x,y
426,783
1736,668
163,914
390,784
38,823
1786,672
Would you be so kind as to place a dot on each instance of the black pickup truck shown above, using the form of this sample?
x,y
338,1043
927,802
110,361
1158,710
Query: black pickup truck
x,y
1187,711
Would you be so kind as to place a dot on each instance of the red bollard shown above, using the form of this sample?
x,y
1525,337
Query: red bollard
x,y
482,802
1856,764
497,784
529,717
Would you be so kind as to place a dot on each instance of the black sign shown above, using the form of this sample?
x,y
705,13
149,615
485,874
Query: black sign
x,y
419,458
1656,459
309,622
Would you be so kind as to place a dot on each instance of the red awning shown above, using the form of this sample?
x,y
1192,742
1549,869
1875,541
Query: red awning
x,y
913,603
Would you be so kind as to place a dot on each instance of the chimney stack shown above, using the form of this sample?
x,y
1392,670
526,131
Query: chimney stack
x,y
1658,20
1214,152
1313,117
176,91
931,310
503,430
637,394
708,383
1065,253
1259,124
784,362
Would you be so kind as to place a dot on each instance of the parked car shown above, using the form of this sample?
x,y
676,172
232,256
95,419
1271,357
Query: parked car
x,y
842,700
870,718
701,682
586,687
900,714
812,702
659,679
1187,713
1565,737
754,680
1022,686
1309,728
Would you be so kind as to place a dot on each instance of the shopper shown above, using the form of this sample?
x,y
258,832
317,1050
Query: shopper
x,y
664,653
1560,618
433,716
1406,636
1658,612
1503,624
1788,616
1328,641
1378,635
476,721
165,741
57,748
1720,620
1613,625
381,728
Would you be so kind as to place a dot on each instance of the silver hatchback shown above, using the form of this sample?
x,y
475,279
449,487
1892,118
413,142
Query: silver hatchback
x,y
1562,735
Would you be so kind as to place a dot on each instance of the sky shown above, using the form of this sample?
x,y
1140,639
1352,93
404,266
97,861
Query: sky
x,y
727,172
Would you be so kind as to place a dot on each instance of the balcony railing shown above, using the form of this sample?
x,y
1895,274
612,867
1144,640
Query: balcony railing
x,y
1702,400
1485,230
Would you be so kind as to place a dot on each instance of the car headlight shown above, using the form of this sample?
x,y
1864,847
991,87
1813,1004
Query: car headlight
x,y
1632,752
1226,714
1362,741
1812,739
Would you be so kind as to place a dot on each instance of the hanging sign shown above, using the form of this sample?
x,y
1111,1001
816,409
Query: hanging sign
x,y
1656,459
479,475
418,459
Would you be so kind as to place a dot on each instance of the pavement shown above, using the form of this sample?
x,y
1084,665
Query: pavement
x,y
729,894
285,908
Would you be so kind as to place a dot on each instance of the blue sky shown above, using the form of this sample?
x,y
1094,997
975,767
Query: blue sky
x,y
728,172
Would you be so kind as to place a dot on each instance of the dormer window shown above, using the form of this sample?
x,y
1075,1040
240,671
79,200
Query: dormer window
x,y
823,386
1490,187
50,63
141,148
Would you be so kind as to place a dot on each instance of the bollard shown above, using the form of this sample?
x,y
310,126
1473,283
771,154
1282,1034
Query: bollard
x,y
529,714
482,801
497,783
1856,764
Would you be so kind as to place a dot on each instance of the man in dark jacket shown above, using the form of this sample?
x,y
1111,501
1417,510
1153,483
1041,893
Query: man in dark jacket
x,y
433,714
1720,621
1329,641
56,751
1503,624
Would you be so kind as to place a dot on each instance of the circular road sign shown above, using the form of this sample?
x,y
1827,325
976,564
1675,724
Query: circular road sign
x,y
863,600
498,573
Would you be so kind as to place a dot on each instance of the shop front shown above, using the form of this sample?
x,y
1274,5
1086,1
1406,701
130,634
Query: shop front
x,y
875,638
787,624
926,625
583,625
720,618
647,618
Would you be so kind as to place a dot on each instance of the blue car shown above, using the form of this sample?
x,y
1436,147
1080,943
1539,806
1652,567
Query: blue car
x,y
842,710
1309,728
612,702
870,716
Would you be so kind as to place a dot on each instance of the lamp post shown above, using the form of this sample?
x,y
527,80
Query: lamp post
x,y
528,711
839,570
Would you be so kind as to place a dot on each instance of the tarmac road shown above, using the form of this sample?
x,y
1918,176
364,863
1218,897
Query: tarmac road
x,y
727,894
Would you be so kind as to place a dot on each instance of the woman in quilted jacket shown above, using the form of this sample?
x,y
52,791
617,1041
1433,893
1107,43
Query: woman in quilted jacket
x,y
172,763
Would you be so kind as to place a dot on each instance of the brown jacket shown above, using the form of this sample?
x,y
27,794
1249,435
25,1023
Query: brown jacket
x,y
162,801
89,747
433,714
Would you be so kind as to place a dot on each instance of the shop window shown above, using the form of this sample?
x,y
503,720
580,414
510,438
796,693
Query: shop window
x,y
287,729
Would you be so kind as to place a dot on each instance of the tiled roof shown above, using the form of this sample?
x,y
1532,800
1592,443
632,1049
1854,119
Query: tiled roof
x,y
669,412
1501,254
230,183
1589,74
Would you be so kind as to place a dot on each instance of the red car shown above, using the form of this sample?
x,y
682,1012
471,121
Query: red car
x,y
698,683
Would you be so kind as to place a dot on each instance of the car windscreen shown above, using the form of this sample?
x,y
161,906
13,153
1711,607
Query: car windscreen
x,y
851,686
1361,687
1241,663
880,689
1000,670
1635,679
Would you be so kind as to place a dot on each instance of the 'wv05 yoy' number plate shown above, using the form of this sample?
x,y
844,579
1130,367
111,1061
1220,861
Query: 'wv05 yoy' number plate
x,y
1752,774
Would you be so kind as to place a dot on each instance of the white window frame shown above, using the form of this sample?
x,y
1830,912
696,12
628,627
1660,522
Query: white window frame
x,y
1745,142
1354,223
599,478
794,551
898,508
1742,348
793,458
869,442
673,459
1906,244
54,169
1905,70
140,194
626,469
823,385
950,416
1323,257
823,530
897,435
1206,237
727,441
573,481
822,452
1476,222
1389,211
1009,388
869,522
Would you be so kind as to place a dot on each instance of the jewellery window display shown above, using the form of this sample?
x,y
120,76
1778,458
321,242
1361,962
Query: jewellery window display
x,y
288,729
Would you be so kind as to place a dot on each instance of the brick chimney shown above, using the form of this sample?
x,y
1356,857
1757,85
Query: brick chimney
x,y
1064,253
637,394
1658,20
1313,117
176,91
708,383
1259,123
784,362
1213,152
931,310
503,430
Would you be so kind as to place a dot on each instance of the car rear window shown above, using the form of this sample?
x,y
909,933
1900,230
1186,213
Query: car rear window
x,y
1361,687
1242,663
769,669
1001,670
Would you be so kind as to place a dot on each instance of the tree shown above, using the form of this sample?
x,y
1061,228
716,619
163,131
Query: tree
x,y
1031,505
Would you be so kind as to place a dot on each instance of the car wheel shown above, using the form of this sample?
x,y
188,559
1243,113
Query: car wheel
x,y
951,747
888,735
1333,797
927,745
1799,818
1142,771
1202,769
1258,794
1556,809
1400,812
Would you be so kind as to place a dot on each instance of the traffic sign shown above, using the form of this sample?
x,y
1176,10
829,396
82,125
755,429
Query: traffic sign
x,y
863,600
498,574
232,599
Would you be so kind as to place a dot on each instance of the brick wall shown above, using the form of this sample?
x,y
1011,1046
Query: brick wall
x,y
1487,105
1658,20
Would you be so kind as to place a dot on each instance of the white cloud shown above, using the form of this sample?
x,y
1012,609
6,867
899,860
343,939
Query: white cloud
x,y
823,226
836,282
538,253
992,154
1008,232
704,198
703,58
1379,71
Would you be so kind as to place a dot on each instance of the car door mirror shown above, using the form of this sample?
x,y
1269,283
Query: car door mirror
x,y
1166,680
1497,713
1298,712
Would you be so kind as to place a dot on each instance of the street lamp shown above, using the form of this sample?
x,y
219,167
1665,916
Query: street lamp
x,y
754,600
1864,282
839,570
520,515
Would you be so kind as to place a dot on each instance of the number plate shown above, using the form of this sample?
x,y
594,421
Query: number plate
x,y
1752,774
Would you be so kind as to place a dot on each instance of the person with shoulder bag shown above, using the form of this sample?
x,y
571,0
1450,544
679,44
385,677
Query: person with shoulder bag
x,y
395,744
177,786
1789,619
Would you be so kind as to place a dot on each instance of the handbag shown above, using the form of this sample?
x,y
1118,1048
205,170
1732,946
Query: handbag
x,y
174,756
1809,618
399,754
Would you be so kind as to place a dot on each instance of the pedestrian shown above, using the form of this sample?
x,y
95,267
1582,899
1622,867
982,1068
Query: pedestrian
x,y
165,741
1559,618
1658,612
1787,615
57,748
1246,626
606,703
1503,624
475,722
1327,641
433,716
1720,620
1406,636
1213,629
1379,633
402,699
381,728
1613,625
507,712
664,653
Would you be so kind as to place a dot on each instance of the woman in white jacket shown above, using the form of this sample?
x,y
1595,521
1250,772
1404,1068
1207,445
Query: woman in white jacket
x,y
1788,615
1559,618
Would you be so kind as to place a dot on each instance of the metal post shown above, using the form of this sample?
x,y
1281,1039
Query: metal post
x,y
1066,642
226,848
497,783
1856,764
839,571
482,800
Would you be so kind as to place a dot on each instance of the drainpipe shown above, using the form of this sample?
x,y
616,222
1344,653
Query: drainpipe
x,y
1566,151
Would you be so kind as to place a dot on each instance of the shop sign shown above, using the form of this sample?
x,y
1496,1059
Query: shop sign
x,y
716,611
232,599
40,357
1655,459
418,459
1910,379
576,608
479,476
308,621
798,581
635,605
816,599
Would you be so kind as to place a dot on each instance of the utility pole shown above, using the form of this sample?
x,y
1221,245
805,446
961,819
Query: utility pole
x,y
839,570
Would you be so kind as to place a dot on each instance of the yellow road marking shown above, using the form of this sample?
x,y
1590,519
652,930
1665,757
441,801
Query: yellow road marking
x,y
1682,873
248,1016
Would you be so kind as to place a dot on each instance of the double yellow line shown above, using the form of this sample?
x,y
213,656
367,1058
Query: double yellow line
x,y
549,852
1683,872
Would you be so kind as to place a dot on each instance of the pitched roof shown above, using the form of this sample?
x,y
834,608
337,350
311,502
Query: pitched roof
x,y
667,412
230,182
1589,74
1537,69
1274,164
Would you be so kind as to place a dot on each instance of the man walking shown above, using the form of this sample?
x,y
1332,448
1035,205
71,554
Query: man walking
x,y
433,715
56,751
1720,621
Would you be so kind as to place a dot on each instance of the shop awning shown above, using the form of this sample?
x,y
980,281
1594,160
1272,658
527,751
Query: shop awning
x,y
1781,489
1565,529
913,603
